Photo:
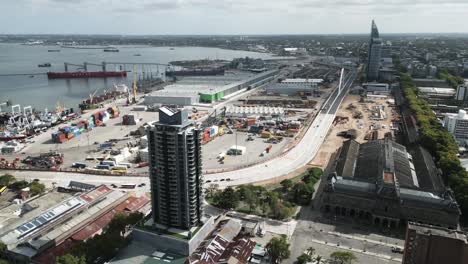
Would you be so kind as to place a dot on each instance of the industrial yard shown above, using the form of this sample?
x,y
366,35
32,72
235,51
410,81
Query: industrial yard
x,y
248,118
358,119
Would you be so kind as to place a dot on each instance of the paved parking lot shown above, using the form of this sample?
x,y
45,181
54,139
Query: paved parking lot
x,y
254,148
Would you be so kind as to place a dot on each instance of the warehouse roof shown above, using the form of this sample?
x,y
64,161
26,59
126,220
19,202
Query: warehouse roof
x,y
299,80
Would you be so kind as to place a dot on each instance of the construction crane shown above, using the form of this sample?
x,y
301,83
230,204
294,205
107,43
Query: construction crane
x,y
134,86
91,96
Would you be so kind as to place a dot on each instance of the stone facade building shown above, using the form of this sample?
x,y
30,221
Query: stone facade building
x,y
381,183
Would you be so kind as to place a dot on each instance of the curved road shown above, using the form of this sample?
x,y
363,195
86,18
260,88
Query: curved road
x,y
296,158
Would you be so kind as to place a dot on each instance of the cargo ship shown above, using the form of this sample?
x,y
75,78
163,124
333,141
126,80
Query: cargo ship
x,y
195,72
47,64
66,75
111,50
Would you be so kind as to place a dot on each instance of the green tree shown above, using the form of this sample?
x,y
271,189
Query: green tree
x,y
118,224
6,179
286,185
318,259
70,259
211,190
18,185
36,188
303,259
250,199
310,251
302,193
228,199
278,249
343,257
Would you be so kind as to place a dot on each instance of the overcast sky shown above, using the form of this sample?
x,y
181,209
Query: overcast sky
x,y
231,16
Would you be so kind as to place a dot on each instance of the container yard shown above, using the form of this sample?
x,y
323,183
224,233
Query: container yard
x,y
97,119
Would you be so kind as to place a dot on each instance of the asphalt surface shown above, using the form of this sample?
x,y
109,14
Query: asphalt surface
x,y
297,157
327,236
293,159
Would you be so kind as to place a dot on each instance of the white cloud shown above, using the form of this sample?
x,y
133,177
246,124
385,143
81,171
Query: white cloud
x,y
231,16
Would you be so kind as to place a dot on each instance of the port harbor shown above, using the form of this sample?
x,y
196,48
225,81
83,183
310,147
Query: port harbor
x,y
200,132
244,114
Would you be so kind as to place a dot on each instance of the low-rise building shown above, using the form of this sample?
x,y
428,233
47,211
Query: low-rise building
x,y
45,222
376,88
433,245
457,124
462,92
302,87
436,93
224,245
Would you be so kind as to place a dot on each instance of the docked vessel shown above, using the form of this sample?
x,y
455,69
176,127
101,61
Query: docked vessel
x,y
94,102
111,50
47,64
65,75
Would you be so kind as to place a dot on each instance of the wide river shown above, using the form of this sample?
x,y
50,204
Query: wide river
x,y
23,82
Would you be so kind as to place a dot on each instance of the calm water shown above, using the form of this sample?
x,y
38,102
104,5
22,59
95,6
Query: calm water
x,y
41,93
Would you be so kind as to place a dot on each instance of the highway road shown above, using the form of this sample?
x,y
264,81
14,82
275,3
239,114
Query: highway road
x,y
297,157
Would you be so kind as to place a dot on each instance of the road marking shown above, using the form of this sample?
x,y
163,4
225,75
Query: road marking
x,y
377,255
362,239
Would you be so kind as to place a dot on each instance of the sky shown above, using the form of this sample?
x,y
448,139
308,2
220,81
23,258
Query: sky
x,y
205,17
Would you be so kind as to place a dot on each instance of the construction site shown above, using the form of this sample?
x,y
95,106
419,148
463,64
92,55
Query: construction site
x,y
362,119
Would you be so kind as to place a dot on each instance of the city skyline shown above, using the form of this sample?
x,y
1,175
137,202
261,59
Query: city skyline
x,y
200,17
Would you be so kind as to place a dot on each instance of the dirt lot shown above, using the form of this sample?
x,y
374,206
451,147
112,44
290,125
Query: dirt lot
x,y
361,125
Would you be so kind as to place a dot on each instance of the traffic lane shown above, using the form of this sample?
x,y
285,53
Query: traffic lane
x,y
295,158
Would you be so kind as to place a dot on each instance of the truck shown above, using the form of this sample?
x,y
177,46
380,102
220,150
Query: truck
x,y
103,167
111,163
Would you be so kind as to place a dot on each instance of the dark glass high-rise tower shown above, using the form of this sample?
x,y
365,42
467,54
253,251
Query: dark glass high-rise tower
x,y
174,146
375,51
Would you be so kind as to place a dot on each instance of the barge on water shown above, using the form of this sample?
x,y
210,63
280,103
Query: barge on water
x,y
101,74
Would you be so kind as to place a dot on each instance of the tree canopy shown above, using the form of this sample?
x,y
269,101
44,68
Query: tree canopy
x,y
439,142
278,249
343,257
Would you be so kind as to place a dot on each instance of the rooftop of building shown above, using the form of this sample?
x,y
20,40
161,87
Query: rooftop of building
x,y
362,168
60,220
16,214
301,80
461,115
437,90
193,86
143,253
430,230
255,110
375,84
131,204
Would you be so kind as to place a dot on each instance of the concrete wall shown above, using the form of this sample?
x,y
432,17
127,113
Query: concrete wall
x,y
173,244
176,100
